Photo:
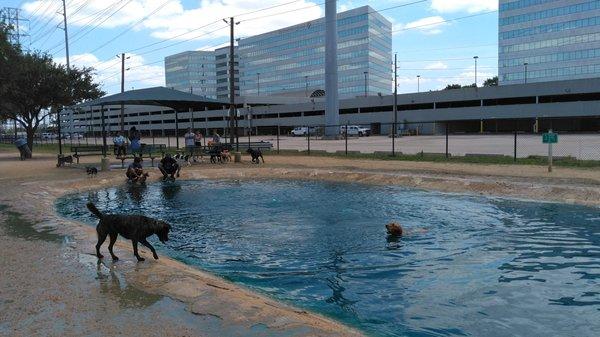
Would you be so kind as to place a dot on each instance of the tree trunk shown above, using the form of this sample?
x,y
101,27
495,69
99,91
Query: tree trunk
x,y
30,134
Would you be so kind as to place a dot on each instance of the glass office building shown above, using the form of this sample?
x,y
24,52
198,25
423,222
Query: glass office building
x,y
192,71
548,40
291,61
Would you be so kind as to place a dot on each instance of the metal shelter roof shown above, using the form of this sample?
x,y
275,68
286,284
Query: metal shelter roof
x,y
160,96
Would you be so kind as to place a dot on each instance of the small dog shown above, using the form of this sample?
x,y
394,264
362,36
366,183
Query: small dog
x,y
215,155
183,159
64,160
133,227
394,229
256,156
91,171
225,156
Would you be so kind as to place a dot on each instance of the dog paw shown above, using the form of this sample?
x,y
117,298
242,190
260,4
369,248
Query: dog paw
x,y
156,257
141,259
100,256
115,258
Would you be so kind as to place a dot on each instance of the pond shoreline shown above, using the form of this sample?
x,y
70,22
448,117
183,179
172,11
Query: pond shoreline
x,y
31,188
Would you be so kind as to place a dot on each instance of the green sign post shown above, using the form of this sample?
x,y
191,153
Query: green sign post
x,y
550,138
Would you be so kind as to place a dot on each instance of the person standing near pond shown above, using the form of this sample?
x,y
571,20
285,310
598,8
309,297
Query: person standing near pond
x,y
119,144
190,141
216,139
135,172
135,139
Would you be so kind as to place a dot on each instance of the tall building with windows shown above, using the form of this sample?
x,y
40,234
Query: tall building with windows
x,y
291,61
222,72
548,40
192,71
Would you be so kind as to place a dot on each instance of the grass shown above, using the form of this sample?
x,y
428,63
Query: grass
x,y
485,160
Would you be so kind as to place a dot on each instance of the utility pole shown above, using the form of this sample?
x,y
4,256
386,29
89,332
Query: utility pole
x,y
192,110
306,86
475,58
395,96
418,84
257,84
232,114
332,111
525,64
366,73
68,70
122,57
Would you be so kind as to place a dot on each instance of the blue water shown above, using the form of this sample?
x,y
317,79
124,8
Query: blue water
x,y
468,265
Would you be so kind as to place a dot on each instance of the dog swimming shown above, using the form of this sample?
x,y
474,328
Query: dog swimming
x,y
394,229
136,228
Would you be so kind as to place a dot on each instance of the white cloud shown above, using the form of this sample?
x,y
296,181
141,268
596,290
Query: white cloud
x,y
469,6
436,66
172,19
109,73
430,25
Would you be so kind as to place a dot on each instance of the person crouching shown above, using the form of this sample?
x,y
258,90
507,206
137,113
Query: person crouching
x,y
168,166
135,172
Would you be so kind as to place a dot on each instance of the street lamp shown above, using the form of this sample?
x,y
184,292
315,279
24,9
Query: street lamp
x,y
366,73
418,83
257,84
475,58
306,86
525,65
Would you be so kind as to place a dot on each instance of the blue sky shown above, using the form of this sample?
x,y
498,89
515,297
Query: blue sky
x,y
148,30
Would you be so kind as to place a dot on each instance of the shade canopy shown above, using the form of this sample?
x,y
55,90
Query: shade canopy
x,y
159,96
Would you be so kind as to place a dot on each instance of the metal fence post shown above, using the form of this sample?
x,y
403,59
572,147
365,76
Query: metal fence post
x,y
308,138
152,134
168,141
515,147
346,137
278,132
447,123
393,139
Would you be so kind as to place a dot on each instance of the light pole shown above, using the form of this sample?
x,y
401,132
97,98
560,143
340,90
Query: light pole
x,y
525,65
257,84
306,86
123,58
366,73
475,58
418,83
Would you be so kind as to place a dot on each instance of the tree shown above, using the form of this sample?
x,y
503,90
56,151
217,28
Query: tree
x,y
453,86
491,82
37,87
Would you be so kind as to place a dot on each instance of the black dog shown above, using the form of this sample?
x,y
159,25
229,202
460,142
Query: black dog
x,y
91,171
133,227
215,155
256,156
62,160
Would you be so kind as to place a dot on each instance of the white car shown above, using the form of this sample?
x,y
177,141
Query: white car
x,y
355,130
303,131
49,135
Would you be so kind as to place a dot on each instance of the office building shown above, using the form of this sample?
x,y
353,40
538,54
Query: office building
x,y
291,61
548,40
222,72
192,71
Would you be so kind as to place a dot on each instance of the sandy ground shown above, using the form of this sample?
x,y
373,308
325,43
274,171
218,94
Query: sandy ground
x,y
52,285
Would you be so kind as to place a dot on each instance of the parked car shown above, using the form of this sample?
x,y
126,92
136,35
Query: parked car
x,y
49,135
77,136
355,130
303,131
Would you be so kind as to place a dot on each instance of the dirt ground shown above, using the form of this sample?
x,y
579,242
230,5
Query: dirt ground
x,y
52,285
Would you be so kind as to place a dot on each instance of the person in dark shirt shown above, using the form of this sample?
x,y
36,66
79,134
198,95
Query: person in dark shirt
x,y
168,166
135,172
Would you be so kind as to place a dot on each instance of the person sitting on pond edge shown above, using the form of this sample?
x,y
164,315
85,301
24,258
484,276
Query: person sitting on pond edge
x,y
135,172
168,166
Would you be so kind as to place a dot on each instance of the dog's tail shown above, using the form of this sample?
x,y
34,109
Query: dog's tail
x,y
263,158
94,210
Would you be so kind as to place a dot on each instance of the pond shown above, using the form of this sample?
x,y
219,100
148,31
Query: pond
x,y
468,265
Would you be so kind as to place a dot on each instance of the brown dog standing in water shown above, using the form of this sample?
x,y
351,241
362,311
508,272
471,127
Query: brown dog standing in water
x,y
133,227
394,229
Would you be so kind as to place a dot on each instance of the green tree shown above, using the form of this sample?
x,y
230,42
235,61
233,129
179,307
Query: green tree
x,y
491,82
453,86
35,87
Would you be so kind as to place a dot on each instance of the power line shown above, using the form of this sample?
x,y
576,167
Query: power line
x,y
130,27
443,21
